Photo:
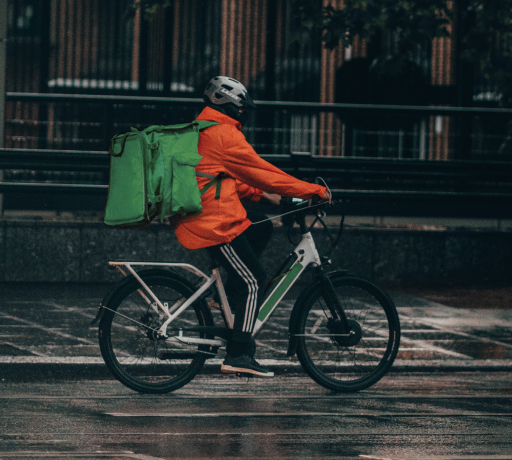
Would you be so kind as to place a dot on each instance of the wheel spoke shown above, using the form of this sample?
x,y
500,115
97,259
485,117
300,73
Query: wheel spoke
x,y
131,346
348,362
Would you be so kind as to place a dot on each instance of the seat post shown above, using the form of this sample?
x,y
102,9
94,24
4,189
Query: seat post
x,y
213,262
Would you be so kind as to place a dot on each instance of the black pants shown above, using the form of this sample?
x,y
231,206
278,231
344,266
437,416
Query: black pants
x,y
246,279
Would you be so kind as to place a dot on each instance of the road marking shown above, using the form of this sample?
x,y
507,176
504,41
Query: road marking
x,y
98,454
266,345
43,359
422,344
374,458
400,365
435,323
209,434
334,397
317,324
444,457
32,355
363,413
49,330
223,414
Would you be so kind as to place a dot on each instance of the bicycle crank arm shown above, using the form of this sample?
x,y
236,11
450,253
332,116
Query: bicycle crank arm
x,y
198,341
222,332
184,354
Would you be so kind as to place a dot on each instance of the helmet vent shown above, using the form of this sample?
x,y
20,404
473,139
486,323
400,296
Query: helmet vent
x,y
228,91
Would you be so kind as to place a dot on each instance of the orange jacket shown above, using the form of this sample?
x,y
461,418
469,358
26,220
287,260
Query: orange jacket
x,y
225,150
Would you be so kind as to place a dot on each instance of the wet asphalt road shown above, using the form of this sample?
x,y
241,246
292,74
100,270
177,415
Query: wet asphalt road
x,y
405,416
455,405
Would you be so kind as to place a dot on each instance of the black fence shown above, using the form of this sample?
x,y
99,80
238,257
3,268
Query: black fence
x,y
55,156
108,47
86,122
369,186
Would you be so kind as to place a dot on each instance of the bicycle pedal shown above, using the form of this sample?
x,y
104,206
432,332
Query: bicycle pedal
x,y
244,375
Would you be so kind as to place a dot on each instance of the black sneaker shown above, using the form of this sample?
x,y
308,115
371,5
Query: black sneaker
x,y
244,365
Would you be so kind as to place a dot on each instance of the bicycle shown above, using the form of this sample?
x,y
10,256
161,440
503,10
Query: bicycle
x,y
156,329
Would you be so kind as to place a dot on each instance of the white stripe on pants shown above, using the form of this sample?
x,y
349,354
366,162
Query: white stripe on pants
x,y
252,286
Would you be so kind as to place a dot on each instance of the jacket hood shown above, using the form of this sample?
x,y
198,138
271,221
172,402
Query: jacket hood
x,y
210,114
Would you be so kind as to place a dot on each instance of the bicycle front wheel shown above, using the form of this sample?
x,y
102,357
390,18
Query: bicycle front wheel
x,y
347,362
129,341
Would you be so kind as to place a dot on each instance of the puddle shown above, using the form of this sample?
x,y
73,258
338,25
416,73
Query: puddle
x,y
431,335
476,349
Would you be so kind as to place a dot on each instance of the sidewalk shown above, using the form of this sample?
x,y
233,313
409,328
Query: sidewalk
x,y
45,332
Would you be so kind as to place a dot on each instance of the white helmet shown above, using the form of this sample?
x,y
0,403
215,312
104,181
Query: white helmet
x,y
226,90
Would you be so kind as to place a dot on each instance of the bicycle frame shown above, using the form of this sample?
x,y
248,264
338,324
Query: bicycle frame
x,y
175,310
344,330
303,255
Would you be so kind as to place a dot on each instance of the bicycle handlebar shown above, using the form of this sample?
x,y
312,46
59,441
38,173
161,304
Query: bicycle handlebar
x,y
297,208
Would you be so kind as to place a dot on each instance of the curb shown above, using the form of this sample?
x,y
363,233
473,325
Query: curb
x,y
94,369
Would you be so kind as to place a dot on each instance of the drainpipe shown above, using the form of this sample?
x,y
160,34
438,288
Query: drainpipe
x,y
3,45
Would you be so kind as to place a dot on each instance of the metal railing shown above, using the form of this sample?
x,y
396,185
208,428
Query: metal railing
x,y
86,122
371,186
463,183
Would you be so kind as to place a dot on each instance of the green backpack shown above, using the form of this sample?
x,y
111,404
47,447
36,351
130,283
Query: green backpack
x,y
152,174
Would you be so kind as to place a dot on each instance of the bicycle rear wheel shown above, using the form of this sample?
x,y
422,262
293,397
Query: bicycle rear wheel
x,y
131,348
342,363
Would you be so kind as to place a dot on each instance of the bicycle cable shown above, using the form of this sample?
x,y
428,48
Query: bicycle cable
x,y
289,212
131,319
334,242
298,210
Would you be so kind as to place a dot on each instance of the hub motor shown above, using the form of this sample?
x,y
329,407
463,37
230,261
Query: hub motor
x,y
342,337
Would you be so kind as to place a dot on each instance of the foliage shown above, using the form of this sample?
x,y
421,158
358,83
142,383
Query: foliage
x,y
412,22
486,26
488,41
149,7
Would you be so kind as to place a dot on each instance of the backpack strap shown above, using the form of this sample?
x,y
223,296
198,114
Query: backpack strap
x,y
151,147
215,180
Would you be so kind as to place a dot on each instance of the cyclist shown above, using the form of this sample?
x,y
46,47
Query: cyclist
x,y
224,227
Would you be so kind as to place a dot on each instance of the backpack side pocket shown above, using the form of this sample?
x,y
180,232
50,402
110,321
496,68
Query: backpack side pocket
x,y
126,199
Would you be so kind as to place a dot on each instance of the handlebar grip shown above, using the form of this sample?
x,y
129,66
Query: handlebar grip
x,y
288,202
285,201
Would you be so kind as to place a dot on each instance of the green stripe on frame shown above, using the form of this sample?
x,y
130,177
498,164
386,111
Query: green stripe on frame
x,y
280,291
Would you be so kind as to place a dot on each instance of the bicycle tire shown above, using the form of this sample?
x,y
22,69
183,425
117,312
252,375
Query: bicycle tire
x,y
346,367
132,350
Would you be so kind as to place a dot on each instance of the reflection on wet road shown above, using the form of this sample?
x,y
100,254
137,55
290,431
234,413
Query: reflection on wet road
x,y
405,416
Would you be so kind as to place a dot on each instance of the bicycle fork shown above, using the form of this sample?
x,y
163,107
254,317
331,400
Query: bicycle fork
x,y
333,303
344,331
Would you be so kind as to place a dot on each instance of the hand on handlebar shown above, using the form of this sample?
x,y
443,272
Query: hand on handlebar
x,y
317,199
327,194
327,197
